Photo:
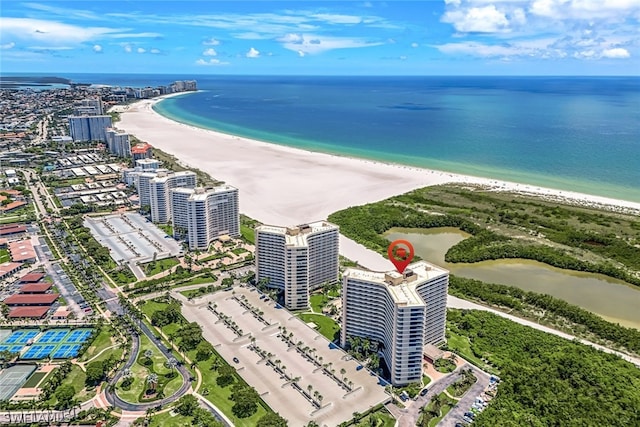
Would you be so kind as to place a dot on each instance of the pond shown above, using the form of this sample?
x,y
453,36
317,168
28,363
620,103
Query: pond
x,y
614,300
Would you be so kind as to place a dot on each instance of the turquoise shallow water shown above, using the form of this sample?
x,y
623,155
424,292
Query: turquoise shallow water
x,y
577,134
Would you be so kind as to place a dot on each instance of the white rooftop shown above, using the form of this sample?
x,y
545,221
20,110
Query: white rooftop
x,y
401,287
297,236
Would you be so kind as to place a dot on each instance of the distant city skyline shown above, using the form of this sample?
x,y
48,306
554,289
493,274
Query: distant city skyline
x,y
439,37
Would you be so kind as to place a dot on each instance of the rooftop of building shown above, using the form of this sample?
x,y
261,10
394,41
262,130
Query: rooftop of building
x,y
35,288
31,312
163,175
141,148
201,193
31,299
8,267
12,229
297,236
401,287
31,277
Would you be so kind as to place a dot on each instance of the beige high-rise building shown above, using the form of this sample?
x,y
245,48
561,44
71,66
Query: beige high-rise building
x,y
297,259
403,312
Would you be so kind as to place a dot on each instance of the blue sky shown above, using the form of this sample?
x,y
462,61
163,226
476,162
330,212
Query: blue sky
x,y
494,37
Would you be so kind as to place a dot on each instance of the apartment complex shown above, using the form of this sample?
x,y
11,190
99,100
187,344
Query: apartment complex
x,y
118,143
403,312
159,188
202,215
89,128
89,107
297,259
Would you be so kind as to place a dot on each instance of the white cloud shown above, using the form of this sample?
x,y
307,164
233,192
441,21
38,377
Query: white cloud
x,y
9,45
253,53
211,42
50,32
97,48
414,45
141,50
135,35
617,52
155,51
210,52
487,19
212,61
403,58
301,53
127,48
333,18
313,44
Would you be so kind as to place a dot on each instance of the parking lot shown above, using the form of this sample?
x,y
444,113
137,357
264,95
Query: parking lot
x,y
132,239
337,404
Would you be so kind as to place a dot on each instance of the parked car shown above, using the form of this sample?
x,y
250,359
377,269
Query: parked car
x,y
424,391
235,360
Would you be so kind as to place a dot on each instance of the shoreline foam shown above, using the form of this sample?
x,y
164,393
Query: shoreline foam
x,y
286,186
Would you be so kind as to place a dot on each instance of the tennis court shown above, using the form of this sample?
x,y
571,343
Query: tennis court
x,y
38,351
53,336
11,348
78,336
12,378
65,351
21,336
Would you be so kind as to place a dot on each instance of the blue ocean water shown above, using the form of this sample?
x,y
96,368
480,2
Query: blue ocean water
x,y
571,133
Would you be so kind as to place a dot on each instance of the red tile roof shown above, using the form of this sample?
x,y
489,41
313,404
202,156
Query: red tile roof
x,y
31,277
35,288
12,229
33,312
31,299
141,148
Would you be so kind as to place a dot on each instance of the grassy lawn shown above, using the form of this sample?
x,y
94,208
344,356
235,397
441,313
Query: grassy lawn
x,y
167,228
220,396
443,411
102,341
155,267
214,256
380,418
195,281
114,353
4,255
140,372
194,293
239,251
248,233
34,379
325,325
167,420
459,344
151,306
318,301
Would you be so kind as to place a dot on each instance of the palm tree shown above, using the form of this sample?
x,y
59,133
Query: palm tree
x,y
342,372
309,388
148,353
172,363
152,381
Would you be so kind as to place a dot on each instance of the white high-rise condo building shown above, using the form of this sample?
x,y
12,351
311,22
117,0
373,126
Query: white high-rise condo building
x,y
297,259
118,143
159,188
202,215
89,107
403,312
89,128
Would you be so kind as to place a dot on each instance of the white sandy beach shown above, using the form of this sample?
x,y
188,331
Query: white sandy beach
x,y
287,186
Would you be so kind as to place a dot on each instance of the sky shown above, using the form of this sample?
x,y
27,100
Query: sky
x,y
438,37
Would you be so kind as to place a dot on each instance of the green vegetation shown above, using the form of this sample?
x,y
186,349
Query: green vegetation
x,y
377,417
506,225
154,267
556,312
325,325
435,411
195,293
547,380
152,377
318,301
460,387
444,365
247,229
4,255
101,342
188,336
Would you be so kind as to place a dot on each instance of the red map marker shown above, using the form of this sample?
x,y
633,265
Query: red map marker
x,y
398,255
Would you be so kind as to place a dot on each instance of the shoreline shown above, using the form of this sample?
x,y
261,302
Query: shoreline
x,y
283,185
